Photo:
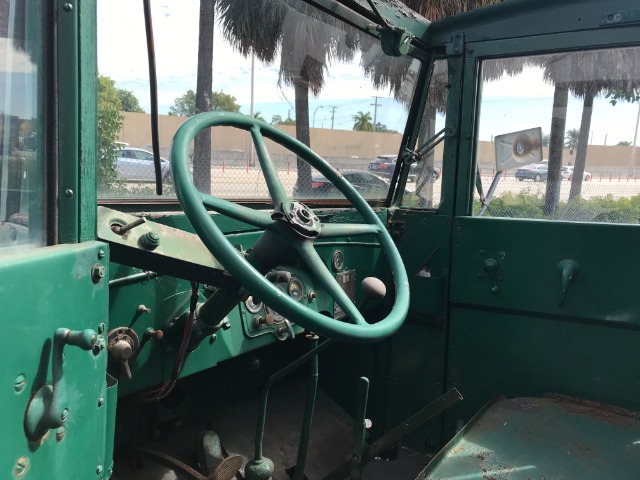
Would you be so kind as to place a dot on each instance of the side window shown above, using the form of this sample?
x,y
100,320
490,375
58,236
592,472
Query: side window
x,y
21,126
424,186
586,105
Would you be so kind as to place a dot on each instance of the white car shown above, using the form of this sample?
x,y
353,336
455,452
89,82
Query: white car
x,y
567,174
136,164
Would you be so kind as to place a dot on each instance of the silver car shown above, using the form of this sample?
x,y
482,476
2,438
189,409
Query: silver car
x,y
136,165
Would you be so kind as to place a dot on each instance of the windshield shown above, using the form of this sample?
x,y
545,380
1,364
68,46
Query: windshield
x,y
285,63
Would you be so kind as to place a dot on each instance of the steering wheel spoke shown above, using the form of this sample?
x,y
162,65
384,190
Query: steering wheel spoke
x,y
321,273
276,190
335,230
248,215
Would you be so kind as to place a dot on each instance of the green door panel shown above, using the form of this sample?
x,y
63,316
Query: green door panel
x,y
41,291
493,353
528,279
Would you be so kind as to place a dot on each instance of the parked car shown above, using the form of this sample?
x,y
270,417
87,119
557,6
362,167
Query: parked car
x,y
567,174
368,184
136,164
385,165
536,172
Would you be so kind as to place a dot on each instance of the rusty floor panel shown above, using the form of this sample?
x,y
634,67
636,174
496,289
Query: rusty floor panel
x,y
542,438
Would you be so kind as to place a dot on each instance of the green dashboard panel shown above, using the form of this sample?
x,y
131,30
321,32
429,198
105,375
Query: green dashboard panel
x,y
156,303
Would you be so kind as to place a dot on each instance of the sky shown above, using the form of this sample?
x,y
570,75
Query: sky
x,y
122,56
508,104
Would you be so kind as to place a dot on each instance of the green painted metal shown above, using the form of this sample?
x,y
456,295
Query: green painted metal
x,y
542,438
194,204
87,91
68,122
43,291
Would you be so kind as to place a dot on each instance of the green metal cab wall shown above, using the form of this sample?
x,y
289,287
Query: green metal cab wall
x,y
517,340
44,290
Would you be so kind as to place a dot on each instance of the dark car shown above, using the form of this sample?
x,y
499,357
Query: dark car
x,y
385,165
536,172
368,184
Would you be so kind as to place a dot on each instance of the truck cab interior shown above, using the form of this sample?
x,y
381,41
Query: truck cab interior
x,y
205,278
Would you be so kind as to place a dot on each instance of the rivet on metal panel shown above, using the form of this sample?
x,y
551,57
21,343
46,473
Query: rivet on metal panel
x,y
65,414
101,254
19,383
101,328
60,434
68,193
100,401
21,466
99,469
67,7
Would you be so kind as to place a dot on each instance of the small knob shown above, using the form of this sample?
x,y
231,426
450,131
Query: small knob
x,y
259,320
121,352
157,335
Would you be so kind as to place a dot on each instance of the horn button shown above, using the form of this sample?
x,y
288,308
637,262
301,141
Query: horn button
x,y
301,218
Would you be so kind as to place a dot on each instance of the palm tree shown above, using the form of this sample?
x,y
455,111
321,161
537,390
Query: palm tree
x,y
204,85
362,122
307,40
571,139
586,75
392,72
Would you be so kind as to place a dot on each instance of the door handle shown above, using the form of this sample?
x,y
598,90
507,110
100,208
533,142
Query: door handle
x,y
491,266
48,407
568,271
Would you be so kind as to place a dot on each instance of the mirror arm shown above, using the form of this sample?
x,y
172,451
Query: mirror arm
x,y
487,200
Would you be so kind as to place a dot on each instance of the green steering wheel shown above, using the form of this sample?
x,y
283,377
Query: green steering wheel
x,y
292,225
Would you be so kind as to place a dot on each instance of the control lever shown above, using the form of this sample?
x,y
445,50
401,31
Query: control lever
x,y
279,276
49,406
121,352
372,288
285,330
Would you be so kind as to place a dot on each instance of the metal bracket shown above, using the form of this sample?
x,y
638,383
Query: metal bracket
x,y
456,47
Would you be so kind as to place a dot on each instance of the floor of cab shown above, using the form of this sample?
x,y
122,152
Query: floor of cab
x,y
330,442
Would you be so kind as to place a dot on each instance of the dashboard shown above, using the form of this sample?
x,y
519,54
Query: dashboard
x,y
149,295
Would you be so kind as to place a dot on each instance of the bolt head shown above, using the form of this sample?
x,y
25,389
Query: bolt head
x,y
100,401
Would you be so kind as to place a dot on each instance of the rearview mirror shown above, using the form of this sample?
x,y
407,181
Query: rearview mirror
x,y
518,148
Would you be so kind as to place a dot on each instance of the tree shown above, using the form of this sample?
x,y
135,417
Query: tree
x,y
571,139
362,122
258,116
382,128
545,139
203,98
276,119
186,104
128,101
307,40
392,72
624,143
109,126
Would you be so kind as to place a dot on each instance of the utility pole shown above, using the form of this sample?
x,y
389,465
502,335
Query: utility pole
x,y
333,112
375,112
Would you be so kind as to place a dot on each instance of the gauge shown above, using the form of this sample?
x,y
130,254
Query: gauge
x,y
296,289
277,318
253,305
337,261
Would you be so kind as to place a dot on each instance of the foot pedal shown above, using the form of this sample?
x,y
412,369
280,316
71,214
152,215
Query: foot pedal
x,y
215,462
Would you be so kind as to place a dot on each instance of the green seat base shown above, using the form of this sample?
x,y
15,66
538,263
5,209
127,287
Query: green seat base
x,y
542,438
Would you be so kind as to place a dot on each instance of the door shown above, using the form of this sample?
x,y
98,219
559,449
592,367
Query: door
x,y
543,297
53,298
